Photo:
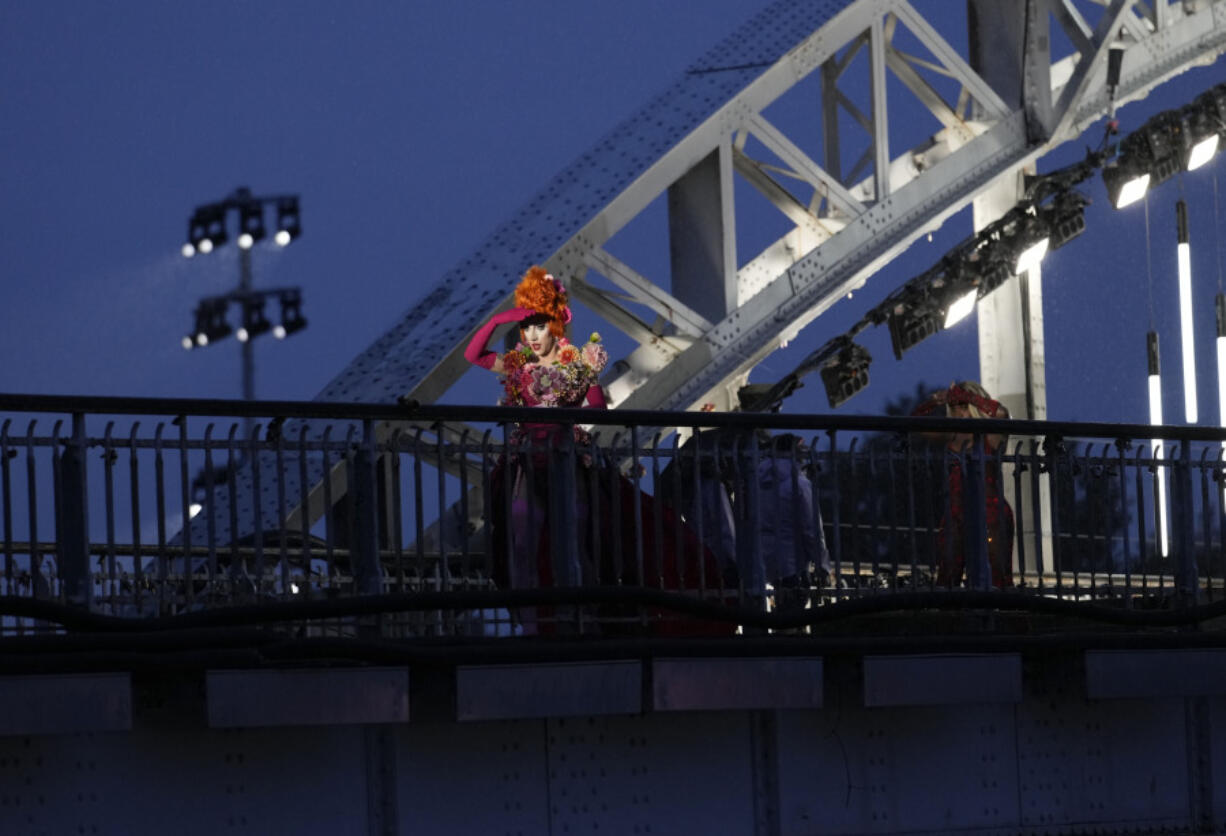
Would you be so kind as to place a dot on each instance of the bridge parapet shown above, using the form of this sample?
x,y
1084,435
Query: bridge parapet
x,y
489,522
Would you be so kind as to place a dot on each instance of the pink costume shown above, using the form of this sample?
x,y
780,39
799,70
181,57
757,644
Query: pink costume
x,y
571,381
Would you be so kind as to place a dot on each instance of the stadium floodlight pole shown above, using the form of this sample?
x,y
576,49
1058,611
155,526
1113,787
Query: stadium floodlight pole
x,y
206,231
1184,257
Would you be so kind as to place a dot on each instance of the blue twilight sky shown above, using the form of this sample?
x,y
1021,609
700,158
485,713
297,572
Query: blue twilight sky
x,y
411,130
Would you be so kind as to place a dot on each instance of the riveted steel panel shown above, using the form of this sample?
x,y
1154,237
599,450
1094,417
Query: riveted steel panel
x,y
489,778
676,773
60,704
945,679
307,697
715,684
197,782
1121,763
1217,759
1116,674
849,769
508,692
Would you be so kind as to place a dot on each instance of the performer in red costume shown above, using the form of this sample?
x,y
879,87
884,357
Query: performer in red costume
x,y
968,399
544,369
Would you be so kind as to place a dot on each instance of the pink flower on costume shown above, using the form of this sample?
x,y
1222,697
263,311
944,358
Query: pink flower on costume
x,y
595,356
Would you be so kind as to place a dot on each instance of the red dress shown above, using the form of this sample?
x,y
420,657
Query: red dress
x,y
966,508
961,521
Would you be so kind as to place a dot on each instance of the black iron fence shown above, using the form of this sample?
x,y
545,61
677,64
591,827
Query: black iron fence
x,y
448,520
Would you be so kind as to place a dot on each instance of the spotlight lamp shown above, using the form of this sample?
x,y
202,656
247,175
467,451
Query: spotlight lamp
x,y
289,223
910,323
846,373
292,320
255,322
1065,218
1205,124
1029,243
206,230
1126,180
197,232
211,324
992,274
215,232
955,290
1148,157
250,224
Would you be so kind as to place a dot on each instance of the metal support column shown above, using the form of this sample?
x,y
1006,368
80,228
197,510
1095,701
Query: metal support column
x,y
363,482
702,243
1011,357
72,519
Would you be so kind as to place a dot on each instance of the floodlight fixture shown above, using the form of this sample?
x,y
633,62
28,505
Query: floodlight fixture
x,y
989,267
961,307
1065,218
197,232
289,222
1029,258
1202,152
911,323
292,319
846,373
1028,243
1126,183
1205,123
250,223
211,324
255,322
1166,135
1148,157
215,230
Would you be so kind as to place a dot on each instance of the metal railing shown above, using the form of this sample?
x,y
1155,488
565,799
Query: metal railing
x,y
412,520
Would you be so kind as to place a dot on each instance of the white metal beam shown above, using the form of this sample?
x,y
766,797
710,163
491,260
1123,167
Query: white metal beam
x,y
881,119
804,167
990,103
646,293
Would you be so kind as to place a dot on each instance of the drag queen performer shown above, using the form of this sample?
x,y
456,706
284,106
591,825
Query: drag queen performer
x,y
544,369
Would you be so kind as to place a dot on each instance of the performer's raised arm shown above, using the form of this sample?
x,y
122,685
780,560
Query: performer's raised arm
x,y
478,352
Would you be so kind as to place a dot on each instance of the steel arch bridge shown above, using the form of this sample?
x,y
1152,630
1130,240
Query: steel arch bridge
x,y
998,101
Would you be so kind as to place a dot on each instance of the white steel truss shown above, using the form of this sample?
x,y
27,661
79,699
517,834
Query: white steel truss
x,y
702,328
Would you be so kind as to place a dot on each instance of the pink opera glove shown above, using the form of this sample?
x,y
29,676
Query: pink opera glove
x,y
595,398
477,352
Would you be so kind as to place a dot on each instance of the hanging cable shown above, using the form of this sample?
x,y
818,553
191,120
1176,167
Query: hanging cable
x,y
1149,266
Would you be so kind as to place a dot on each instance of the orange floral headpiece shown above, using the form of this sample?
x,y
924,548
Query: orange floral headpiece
x,y
540,291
